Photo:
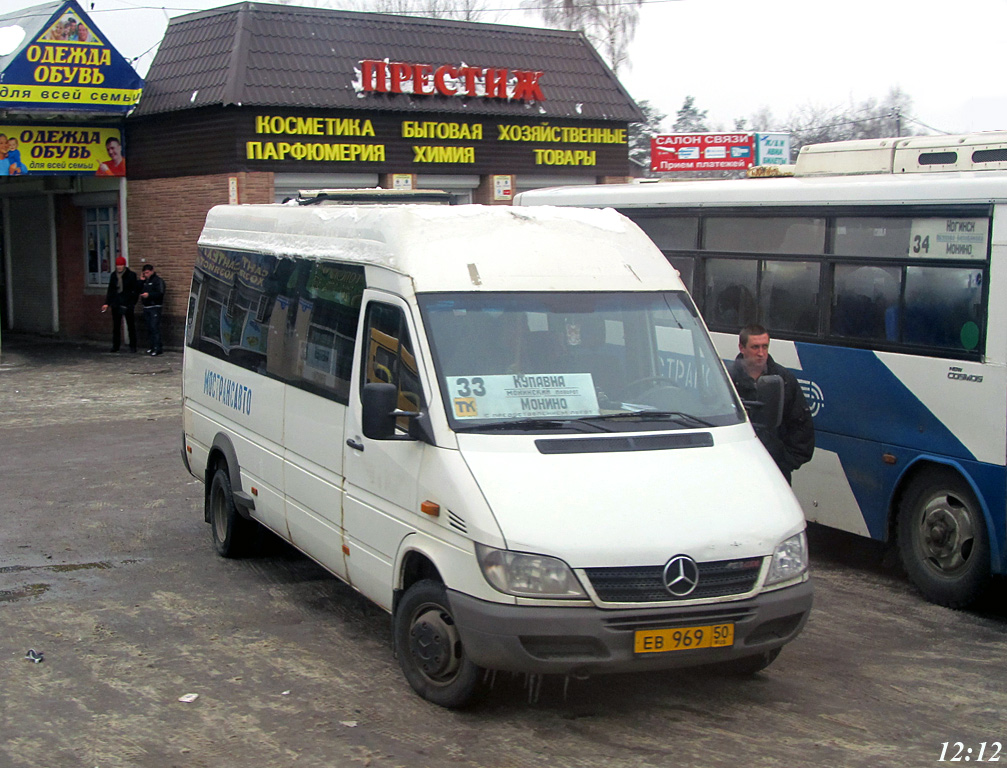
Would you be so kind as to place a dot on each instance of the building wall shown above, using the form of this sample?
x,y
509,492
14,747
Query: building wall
x,y
165,217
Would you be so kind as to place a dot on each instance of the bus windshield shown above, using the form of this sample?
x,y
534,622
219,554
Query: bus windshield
x,y
608,361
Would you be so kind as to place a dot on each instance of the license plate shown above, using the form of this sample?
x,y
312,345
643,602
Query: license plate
x,y
683,638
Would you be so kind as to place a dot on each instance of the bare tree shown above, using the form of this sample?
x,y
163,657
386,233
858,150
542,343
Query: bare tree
x,y
761,120
609,25
871,118
459,10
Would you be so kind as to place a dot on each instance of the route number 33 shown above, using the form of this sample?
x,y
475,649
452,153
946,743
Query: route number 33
x,y
474,387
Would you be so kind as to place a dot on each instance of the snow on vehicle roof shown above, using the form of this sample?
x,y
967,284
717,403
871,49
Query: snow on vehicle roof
x,y
464,247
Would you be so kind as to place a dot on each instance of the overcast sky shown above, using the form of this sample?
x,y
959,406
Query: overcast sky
x,y
736,56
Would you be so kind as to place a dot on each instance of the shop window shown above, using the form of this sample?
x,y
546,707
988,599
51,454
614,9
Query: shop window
x,y
101,243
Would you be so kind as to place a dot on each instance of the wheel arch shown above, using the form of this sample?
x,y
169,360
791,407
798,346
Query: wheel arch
x,y
421,556
919,467
222,454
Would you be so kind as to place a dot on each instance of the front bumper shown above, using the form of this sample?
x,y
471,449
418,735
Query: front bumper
x,y
556,640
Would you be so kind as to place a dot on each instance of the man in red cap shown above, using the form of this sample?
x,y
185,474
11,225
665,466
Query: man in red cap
x,y
123,290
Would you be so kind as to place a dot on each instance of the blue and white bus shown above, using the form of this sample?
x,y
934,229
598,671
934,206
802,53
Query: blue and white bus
x,y
880,268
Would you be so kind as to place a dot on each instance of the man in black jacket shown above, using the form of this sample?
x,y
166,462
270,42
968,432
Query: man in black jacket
x,y
793,442
123,289
152,296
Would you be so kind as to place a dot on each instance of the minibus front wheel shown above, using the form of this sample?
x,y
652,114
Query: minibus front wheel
x,y
429,648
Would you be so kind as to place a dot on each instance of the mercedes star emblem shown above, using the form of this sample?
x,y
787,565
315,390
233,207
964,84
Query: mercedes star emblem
x,y
681,575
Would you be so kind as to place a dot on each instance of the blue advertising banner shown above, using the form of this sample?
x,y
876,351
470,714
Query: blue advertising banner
x,y
65,63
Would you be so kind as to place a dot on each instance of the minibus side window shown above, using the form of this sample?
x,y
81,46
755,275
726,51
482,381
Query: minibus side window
x,y
314,325
391,358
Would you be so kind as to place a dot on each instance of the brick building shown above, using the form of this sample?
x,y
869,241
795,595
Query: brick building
x,y
64,94
252,103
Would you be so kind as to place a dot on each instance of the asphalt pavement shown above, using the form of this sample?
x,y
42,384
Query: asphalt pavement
x,y
154,653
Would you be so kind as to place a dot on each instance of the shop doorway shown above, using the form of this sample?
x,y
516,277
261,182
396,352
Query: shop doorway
x,y
29,264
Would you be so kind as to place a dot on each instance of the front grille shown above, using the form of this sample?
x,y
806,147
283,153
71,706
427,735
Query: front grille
x,y
645,584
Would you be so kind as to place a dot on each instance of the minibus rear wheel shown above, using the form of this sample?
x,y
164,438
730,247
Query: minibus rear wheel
x,y
943,542
429,648
232,534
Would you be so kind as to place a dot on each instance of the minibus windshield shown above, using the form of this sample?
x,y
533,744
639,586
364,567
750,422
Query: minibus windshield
x,y
550,361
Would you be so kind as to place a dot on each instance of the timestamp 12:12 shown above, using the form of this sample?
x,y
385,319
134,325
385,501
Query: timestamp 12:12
x,y
961,753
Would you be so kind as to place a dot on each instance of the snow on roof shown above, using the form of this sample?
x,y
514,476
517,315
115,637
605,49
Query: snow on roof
x,y
456,248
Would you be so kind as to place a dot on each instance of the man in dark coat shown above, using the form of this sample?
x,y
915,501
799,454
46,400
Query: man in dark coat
x,y
151,296
123,291
793,442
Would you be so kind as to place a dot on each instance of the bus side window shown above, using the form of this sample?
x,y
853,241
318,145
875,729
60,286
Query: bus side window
x,y
730,292
390,356
943,307
865,302
788,298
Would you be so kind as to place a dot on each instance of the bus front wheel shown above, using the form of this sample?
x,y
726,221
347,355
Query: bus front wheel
x,y
429,648
943,542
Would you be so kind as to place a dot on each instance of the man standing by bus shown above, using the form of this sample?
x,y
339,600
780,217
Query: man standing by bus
x,y
793,442
123,290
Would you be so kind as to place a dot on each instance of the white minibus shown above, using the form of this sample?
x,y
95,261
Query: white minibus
x,y
506,427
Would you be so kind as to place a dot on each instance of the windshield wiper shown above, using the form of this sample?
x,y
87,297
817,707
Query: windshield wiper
x,y
679,416
531,424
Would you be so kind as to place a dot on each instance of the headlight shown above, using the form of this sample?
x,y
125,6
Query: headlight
x,y
527,575
790,559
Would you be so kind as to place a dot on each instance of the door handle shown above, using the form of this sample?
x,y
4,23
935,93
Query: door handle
x,y
355,445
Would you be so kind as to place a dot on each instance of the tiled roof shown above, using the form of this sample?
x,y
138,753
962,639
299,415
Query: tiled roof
x,y
260,55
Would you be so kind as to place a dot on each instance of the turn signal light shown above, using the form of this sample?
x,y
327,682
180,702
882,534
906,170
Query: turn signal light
x,y
430,508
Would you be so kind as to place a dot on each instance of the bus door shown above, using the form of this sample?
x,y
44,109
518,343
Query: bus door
x,y
381,499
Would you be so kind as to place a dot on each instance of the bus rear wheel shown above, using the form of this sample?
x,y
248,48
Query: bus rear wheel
x,y
943,541
232,534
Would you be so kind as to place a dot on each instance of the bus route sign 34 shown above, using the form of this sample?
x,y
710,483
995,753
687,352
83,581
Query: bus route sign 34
x,y
702,152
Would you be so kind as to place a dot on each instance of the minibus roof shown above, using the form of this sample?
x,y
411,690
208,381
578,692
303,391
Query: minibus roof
x,y
456,248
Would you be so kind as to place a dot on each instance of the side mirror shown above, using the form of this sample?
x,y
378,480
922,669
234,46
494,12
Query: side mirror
x,y
767,410
379,403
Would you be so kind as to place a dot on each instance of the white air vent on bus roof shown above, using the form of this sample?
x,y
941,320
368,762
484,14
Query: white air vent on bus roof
x,y
917,154
973,152
839,158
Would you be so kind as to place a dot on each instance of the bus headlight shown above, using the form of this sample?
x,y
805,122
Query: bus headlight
x,y
527,575
790,559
